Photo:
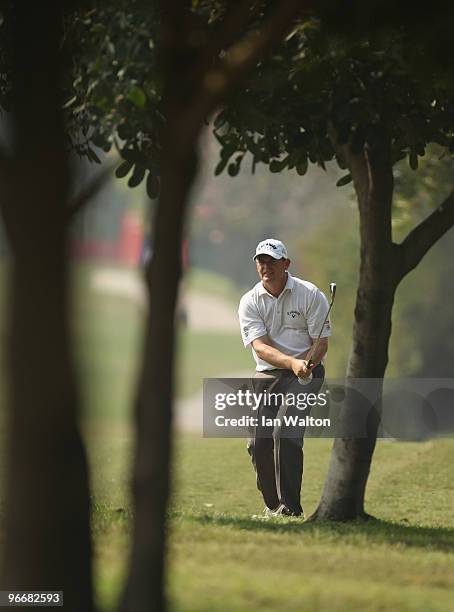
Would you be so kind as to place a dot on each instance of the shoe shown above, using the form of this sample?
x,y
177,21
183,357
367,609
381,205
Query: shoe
x,y
266,514
281,510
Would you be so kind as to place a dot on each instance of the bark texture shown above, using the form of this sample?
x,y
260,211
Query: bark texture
x,y
47,525
344,488
383,265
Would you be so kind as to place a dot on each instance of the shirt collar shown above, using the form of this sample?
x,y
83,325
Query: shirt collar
x,y
288,285
290,282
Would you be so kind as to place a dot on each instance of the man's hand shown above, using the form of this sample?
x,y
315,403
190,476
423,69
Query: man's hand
x,y
266,351
300,368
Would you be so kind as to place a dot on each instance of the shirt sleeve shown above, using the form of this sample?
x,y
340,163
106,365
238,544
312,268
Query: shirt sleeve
x,y
251,323
316,315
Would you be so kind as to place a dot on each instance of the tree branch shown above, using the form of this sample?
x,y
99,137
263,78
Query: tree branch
x,y
243,55
234,21
241,58
426,234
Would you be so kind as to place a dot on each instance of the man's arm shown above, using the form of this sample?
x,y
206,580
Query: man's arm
x,y
264,348
320,351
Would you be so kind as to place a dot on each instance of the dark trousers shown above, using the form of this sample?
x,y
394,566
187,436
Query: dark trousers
x,y
277,451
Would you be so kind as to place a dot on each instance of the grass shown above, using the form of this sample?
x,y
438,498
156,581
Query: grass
x,y
206,355
204,281
221,558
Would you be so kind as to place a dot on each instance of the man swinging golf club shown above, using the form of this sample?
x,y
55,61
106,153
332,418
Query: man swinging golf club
x,y
286,322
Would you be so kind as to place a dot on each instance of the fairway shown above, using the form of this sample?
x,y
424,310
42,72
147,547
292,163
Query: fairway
x,y
220,558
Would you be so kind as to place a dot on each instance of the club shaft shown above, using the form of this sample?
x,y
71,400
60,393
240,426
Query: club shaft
x,y
317,341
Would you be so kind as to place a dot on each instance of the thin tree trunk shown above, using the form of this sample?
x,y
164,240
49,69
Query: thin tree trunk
x,y
153,427
47,545
344,488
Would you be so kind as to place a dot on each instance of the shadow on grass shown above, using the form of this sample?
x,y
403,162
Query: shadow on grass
x,y
374,531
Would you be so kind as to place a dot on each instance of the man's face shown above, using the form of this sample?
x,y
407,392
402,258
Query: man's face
x,y
271,270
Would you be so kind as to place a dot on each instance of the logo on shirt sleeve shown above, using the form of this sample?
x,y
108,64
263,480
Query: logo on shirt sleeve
x,y
246,331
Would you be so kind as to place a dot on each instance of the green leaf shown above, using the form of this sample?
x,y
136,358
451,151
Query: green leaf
x,y
137,96
92,156
99,140
254,163
264,157
137,176
254,147
345,180
220,120
220,166
228,150
301,167
221,139
70,102
123,131
132,155
340,162
152,186
413,160
233,169
277,165
123,169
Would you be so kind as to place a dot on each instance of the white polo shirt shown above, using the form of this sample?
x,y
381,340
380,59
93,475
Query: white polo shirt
x,y
290,320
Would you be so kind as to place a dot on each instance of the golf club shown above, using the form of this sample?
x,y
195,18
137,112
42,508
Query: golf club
x,y
332,292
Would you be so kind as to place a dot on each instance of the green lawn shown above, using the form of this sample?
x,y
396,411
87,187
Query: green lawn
x,y
222,559
208,282
219,557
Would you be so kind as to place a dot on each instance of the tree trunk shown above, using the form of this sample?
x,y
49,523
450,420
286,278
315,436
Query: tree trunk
x,y
154,404
47,543
344,488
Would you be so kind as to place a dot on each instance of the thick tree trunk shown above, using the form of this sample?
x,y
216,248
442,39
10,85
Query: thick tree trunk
x,y
47,544
344,488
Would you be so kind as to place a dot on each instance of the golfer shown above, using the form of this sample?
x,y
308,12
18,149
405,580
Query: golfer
x,y
280,318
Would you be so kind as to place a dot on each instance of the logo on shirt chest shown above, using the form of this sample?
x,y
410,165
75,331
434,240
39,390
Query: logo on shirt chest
x,y
293,313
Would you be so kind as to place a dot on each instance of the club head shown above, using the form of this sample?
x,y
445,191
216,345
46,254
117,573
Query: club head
x,y
332,290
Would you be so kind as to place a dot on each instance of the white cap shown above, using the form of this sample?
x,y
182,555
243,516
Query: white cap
x,y
273,247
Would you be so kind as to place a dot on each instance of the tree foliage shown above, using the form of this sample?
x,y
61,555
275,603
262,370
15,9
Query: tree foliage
x,y
363,86
365,89
114,95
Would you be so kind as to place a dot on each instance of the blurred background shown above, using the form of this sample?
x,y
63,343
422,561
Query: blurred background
x,y
228,217
317,220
